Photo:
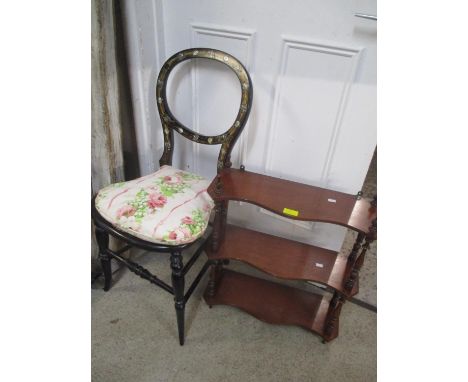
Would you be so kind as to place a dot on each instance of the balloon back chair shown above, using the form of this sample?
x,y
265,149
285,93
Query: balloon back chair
x,y
168,211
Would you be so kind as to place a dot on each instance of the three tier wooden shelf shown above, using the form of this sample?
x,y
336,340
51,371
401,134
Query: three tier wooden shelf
x,y
286,259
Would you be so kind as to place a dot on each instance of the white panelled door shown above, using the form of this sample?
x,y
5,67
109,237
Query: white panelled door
x,y
313,67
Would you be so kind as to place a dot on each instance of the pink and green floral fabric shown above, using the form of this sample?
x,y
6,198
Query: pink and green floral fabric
x,y
170,206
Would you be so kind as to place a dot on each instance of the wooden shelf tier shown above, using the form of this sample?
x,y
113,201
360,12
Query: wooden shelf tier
x,y
311,203
284,258
272,303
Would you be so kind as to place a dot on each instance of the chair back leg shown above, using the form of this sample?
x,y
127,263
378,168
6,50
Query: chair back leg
x,y
102,238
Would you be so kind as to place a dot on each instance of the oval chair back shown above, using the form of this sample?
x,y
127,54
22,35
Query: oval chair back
x,y
170,122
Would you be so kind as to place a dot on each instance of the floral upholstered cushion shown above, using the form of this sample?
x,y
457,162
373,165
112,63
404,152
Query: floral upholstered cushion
x,y
170,206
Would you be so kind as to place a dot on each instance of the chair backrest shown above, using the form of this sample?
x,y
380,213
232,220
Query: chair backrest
x,y
170,123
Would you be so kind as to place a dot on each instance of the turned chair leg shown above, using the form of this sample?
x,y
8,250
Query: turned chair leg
x,y
102,238
178,283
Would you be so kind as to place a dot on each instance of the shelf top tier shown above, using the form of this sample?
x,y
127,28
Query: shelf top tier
x,y
294,200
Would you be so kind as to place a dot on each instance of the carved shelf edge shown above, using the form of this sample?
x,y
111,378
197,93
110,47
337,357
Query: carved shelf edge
x,y
285,259
273,303
285,198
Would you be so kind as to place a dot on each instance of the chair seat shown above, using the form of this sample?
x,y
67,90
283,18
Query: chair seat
x,y
169,207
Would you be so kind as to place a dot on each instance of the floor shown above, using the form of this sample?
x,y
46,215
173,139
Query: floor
x,y
134,334
134,338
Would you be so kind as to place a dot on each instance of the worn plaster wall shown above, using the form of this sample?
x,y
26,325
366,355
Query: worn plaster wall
x,y
112,119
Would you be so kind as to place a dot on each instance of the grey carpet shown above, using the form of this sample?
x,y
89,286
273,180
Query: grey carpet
x,y
134,338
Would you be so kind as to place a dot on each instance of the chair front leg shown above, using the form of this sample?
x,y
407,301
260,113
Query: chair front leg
x,y
178,283
102,238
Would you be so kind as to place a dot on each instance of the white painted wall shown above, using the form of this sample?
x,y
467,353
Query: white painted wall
x,y
313,66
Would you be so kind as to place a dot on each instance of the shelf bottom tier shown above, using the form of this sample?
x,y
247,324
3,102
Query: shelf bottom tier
x,y
272,303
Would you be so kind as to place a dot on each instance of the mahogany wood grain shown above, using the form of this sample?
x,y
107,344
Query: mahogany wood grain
x,y
272,303
312,203
284,258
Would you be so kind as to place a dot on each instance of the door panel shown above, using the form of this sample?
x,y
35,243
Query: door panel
x,y
311,95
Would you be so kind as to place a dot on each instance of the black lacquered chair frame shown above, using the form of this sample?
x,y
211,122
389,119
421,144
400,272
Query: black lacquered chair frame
x,y
104,229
